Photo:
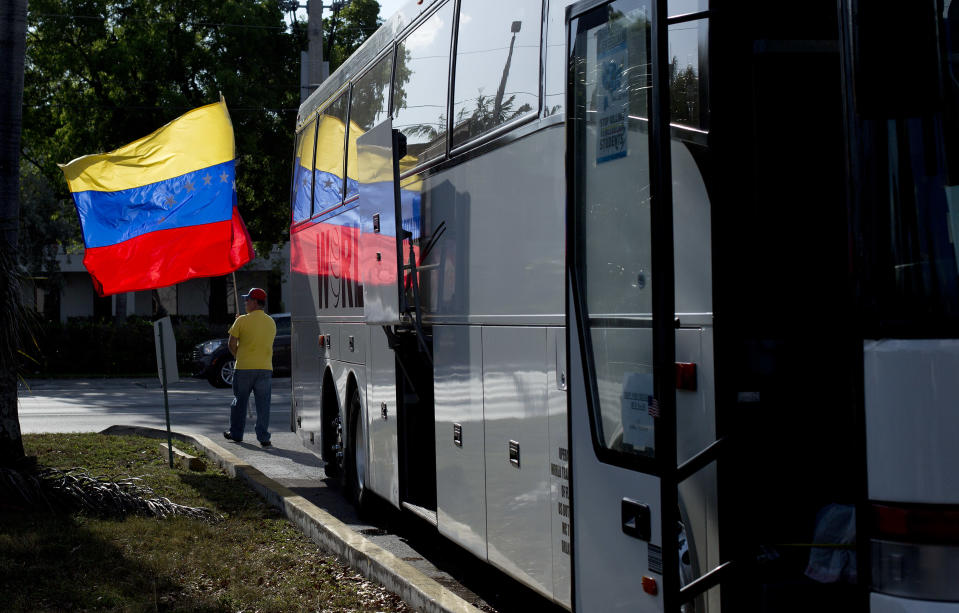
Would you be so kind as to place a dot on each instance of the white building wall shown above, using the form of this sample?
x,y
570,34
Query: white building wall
x,y
76,297
192,297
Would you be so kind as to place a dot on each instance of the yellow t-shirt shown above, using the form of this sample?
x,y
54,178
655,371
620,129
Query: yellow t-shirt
x,y
254,333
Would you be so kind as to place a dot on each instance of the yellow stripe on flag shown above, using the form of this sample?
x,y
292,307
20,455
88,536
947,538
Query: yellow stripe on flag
x,y
329,145
200,138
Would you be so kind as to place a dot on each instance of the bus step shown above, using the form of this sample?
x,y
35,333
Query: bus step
x,y
421,512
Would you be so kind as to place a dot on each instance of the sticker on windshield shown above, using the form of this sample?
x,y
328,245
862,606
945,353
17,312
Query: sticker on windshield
x,y
612,94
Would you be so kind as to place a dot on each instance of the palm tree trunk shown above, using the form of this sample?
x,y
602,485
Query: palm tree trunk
x,y
13,32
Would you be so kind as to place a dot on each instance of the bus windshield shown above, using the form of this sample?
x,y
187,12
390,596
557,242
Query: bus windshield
x,y
905,179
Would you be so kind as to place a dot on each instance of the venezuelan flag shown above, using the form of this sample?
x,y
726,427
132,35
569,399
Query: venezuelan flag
x,y
162,209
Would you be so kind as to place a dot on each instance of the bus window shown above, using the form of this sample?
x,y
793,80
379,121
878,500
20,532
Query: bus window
x,y
687,53
906,202
371,92
330,140
554,77
685,7
419,97
303,172
369,105
613,261
950,28
497,65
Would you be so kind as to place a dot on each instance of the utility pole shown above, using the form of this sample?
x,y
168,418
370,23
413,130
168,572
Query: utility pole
x,y
313,70
515,27
317,70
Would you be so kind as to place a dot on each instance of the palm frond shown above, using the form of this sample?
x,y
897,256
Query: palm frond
x,y
75,491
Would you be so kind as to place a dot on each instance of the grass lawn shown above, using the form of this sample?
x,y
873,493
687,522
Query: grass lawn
x,y
252,560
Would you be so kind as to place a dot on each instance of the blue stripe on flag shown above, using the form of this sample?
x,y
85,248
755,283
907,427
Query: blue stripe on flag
x,y
199,197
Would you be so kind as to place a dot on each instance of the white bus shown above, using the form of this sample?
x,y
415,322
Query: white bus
x,y
744,399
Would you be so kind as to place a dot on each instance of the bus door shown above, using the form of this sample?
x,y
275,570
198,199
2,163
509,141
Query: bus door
x,y
627,535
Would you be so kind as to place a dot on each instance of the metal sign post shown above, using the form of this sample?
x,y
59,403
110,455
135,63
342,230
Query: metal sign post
x,y
166,365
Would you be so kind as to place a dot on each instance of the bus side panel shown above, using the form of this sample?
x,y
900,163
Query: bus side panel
x,y
308,359
307,372
384,457
517,454
880,603
501,253
911,393
460,466
695,424
353,341
558,463
334,255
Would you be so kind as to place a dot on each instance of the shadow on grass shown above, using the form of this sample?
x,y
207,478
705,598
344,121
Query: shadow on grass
x,y
227,495
52,562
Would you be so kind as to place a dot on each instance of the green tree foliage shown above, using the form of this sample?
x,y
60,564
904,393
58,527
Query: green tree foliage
x,y
347,28
102,73
683,93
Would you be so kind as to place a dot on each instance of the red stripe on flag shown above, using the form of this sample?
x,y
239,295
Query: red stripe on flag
x,y
241,250
167,257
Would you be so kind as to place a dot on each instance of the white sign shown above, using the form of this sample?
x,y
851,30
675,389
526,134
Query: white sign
x,y
166,360
638,429
612,95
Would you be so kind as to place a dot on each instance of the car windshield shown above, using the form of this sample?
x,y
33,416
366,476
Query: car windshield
x,y
282,324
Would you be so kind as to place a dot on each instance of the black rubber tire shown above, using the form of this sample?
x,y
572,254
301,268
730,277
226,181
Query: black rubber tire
x,y
333,465
355,488
217,376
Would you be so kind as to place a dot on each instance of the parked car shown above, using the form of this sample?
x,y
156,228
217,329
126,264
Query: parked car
x,y
213,360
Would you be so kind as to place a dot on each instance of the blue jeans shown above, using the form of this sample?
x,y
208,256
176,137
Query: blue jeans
x,y
260,382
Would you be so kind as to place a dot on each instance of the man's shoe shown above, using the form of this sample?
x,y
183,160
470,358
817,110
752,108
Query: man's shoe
x,y
266,444
229,437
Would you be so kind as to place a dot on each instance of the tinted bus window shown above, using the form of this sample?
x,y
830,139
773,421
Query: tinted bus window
x,y
555,75
419,88
497,64
330,161
684,7
906,203
369,105
687,60
303,172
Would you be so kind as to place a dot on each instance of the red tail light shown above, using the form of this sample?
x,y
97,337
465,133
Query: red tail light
x,y
937,524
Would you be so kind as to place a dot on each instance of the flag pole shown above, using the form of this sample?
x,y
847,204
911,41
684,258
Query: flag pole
x,y
236,298
166,402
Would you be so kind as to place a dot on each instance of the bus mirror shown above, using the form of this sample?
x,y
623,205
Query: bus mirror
x,y
895,58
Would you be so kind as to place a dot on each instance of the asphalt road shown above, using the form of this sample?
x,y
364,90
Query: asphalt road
x,y
91,405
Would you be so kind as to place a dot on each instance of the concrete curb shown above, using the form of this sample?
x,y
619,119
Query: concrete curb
x,y
372,561
185,460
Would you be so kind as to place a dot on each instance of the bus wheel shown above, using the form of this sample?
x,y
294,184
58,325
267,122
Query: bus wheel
x,y
333,453
685,567
356,456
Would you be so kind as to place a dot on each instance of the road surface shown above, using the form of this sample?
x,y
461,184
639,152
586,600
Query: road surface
x,y
91,405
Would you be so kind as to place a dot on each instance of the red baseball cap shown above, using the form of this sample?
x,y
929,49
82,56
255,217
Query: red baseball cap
x,y
255,293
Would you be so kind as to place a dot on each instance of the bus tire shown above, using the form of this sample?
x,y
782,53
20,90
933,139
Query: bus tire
x,y
356,455
333,452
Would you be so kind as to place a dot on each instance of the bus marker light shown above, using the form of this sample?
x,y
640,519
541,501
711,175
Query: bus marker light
x,y
686,376
649,586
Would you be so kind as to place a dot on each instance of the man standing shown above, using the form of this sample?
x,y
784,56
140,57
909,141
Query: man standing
x,y
251,342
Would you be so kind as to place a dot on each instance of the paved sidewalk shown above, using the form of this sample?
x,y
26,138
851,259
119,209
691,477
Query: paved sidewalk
x,y
291,479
